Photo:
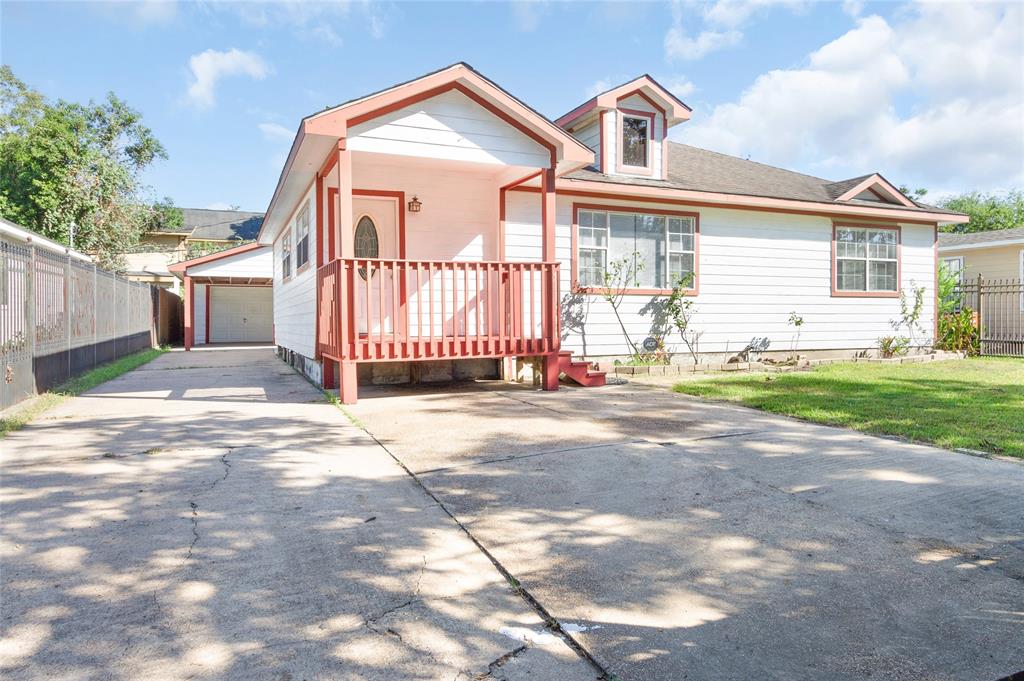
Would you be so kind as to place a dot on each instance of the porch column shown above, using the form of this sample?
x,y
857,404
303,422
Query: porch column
x,y
347,389
551,313
190,313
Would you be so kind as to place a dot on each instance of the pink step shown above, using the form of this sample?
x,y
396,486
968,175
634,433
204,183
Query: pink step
x,y
580,372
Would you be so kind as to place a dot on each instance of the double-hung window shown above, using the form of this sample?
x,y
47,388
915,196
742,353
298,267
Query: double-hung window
x,y
647,251
286,255
302,237
866,260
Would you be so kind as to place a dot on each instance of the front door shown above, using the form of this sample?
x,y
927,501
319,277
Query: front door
x,y
375,220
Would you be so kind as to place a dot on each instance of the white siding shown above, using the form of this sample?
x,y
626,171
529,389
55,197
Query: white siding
x,y
254,263
199,305
449,126
611,140
295,299
590,134
755,269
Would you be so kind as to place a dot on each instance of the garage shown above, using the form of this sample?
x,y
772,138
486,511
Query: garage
x,y
241,314
228,296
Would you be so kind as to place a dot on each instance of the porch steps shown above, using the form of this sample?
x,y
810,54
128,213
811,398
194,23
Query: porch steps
x,y
580,372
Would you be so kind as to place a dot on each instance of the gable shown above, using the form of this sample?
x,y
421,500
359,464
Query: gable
x,y
448,126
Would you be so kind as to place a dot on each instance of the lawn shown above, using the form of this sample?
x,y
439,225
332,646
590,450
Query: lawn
x,y
974,403
21,414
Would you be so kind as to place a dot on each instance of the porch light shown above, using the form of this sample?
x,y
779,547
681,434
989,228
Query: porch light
x,y
415,205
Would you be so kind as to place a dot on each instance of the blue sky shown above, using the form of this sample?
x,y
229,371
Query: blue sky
x,y
928,94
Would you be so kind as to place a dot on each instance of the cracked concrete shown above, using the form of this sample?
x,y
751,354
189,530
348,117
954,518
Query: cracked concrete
x,y
221,521
705,541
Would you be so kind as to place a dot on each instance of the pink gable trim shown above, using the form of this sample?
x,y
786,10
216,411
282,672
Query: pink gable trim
x,y
876,183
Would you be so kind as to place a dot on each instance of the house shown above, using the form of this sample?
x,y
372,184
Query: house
x,y
202,229
443,227
992,264
228,297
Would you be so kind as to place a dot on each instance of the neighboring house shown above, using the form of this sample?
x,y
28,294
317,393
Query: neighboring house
x,y
995,261
442,226
201,228
228,296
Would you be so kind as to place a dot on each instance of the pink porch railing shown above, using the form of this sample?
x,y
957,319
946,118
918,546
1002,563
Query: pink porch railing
x,y
390,310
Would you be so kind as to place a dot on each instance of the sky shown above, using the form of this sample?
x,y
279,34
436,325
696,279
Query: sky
x,y
930,94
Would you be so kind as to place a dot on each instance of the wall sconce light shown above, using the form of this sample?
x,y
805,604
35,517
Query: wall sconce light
x,y
415,204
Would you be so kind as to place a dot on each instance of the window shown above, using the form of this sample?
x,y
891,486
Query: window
x,y
302,237
866,260
286,255
955,266
636,137
657,250
366,243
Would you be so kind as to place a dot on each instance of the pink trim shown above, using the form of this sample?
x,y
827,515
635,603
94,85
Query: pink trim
x,y
574,238
836,293
603,142
880,182
674,109
209,291
620,120
237,250
190,314
686,197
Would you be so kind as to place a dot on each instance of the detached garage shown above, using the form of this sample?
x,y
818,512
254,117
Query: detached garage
x,y
228,296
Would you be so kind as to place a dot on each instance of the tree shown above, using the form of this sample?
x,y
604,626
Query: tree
x,y
915,194
72,172
987,211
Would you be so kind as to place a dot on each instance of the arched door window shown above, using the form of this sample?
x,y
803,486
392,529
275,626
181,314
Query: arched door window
x,y
366,243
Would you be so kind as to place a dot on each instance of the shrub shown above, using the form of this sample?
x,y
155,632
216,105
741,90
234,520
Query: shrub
x,y
957,332
893,346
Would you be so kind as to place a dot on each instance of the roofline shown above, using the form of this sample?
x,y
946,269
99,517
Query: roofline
x,y
754,202
576,113
556,132
873,179
1019,241
183,266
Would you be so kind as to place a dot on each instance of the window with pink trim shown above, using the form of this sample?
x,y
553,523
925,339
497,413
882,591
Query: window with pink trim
x,y
657,250
867,260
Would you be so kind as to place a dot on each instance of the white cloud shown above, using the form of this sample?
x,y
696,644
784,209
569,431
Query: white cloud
x,y
680,86
321,21
679,45
853,8
598,86
846,111
528,13
275,131
210,66
734,13
722,21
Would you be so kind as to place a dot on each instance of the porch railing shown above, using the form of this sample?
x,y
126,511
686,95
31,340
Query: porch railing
x,y
381,310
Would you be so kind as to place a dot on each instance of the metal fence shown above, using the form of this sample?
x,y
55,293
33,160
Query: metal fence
x,y
60,316
998,305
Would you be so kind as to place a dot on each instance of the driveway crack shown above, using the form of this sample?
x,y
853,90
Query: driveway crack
x,y
500,662
195,530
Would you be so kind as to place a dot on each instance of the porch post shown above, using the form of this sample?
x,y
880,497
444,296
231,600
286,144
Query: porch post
x,y
190,321
347,389
551,315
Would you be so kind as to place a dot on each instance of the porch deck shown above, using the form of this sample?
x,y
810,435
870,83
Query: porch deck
x,y
378,310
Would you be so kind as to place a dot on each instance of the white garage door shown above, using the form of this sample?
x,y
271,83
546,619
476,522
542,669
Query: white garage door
x,y
241,314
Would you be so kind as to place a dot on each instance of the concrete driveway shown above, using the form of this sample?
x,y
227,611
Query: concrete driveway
x,y
696,540
210,516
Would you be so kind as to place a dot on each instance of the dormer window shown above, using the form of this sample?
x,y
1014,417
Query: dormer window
x,y
636,140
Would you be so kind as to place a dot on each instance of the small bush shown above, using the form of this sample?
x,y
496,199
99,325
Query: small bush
x,y
957,332
893,346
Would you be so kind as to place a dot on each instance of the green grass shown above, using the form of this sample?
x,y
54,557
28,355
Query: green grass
x,y
972,403
20,416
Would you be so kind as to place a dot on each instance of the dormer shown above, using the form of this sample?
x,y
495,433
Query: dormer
x,y
874,188
627,127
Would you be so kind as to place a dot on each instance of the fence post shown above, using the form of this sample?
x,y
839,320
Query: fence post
x,y
30,302
68,310
95,314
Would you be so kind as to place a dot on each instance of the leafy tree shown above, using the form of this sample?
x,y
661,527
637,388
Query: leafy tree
x,y
72,171
914,194
165,216
987,211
